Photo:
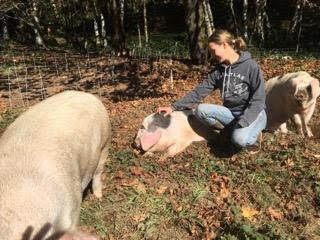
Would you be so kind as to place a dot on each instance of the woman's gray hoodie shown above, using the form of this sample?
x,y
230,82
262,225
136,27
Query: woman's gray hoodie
x,y
241,85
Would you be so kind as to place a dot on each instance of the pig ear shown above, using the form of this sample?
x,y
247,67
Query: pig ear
x,y
149,139
315,87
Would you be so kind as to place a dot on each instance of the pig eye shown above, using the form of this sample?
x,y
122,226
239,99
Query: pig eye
x,y
142,127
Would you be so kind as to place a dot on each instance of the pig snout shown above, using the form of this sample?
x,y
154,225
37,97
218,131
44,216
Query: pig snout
x,y
301,97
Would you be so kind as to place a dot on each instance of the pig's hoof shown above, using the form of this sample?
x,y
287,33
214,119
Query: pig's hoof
x,y
97,193
309,133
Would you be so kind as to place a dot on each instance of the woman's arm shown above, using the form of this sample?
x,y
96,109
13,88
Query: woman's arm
x,y
198,94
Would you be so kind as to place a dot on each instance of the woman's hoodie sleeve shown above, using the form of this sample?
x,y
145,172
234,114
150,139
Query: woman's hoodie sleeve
x,y
196,95
257,100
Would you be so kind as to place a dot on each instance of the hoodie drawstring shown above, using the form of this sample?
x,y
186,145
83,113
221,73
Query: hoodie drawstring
x,y
224,83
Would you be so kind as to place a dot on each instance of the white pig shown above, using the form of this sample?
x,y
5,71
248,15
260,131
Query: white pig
x,y
291,96
48,155
172,133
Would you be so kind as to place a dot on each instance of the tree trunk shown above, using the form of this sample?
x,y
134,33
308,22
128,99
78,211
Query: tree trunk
x,y
297,21
245,19
265,15
262,20
145,22
139,36
297,16
234,17
195,22
122,11
103,31
96,32
258,25
5,32
36,25
210,15
96,19
55,9
117,31
207,18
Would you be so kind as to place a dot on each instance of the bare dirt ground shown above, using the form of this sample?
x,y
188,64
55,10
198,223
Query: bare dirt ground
x,y
197,195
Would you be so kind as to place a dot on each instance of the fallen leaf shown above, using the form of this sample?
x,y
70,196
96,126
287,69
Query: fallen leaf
x,y
139,217
136,171
274,214
140,187
161,190
224,193
249,213
316,155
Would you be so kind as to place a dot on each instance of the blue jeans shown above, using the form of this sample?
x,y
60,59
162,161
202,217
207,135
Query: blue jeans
x,y
241,137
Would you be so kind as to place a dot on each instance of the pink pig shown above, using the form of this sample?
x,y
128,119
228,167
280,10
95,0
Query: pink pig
x,y
172,133
291,96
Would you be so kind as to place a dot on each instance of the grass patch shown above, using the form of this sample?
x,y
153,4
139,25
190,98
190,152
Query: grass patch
x,y
8,117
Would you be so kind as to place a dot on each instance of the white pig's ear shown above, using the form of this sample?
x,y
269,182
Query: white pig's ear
x,y
292,85
149,139
315,87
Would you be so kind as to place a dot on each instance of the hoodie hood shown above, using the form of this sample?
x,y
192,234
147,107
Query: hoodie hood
x,y
244,56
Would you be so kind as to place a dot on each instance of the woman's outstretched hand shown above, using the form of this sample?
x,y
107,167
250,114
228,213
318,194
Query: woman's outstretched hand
x,y
166,110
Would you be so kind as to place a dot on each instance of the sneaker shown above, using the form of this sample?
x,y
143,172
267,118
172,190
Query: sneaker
x,y
218,126
255,148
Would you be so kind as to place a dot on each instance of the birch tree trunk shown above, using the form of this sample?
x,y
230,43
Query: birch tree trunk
x,y
210,15
139,36
207,19
234,16
55,9
96,19
103,31
122,10
262,20
5,32
297,21
265,14
297,15
145,22
259,21
36,25
245,19
96,31
195,22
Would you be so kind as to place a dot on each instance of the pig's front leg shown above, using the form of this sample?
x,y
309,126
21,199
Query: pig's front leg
x,y
299,123
305,126
306,116
176,148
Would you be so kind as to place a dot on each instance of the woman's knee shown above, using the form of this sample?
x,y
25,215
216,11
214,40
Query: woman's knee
x,y
201,111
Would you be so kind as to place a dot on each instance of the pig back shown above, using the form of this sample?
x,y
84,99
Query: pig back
x,y
48,156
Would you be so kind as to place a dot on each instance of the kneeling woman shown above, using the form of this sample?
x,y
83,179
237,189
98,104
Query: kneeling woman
x,y
241,84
